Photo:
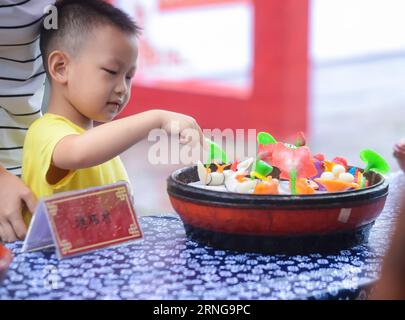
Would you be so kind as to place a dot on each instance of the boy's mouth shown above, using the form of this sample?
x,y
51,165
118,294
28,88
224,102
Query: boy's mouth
x,y
116,106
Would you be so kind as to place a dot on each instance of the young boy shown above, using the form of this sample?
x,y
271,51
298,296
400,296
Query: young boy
x,y
90,60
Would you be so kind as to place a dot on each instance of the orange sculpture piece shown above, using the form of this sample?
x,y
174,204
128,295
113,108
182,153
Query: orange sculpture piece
x,y
336,185
305,186
267,187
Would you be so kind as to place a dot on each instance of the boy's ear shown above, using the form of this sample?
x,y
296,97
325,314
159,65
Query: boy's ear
x,y
57,65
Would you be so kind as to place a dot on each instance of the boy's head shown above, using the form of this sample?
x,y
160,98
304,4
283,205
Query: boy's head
x,y
91,57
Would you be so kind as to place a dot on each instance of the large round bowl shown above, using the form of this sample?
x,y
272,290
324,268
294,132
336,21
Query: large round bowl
x,y
5,260
276,223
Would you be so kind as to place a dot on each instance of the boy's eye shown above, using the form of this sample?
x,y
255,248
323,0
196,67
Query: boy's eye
x,y
110,71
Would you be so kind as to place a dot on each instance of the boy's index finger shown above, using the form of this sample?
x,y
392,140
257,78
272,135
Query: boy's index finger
x,y
201,135
203,143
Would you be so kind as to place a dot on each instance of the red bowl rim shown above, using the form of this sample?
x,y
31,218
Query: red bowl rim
x,y
177,186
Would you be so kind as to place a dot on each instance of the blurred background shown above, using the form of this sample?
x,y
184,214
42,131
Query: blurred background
x,y
334,69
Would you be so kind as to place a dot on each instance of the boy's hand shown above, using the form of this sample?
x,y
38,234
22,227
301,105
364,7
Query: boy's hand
x,y
184,126
399,153
13,192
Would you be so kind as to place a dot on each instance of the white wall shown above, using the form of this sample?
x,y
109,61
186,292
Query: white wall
x,y
343,29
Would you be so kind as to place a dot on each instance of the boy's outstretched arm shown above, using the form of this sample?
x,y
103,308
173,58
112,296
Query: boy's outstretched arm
x,y
108,140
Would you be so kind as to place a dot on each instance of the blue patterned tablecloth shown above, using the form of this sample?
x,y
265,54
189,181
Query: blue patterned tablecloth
x,y
168,265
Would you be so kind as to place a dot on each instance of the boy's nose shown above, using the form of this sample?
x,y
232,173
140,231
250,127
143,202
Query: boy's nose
x,y
122,87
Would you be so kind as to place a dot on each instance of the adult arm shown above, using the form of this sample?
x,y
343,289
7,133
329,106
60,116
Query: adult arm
x,y
14,194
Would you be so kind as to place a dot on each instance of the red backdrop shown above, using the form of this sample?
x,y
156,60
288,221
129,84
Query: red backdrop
x,y
279,99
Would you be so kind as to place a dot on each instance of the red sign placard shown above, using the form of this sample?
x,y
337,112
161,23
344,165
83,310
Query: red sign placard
x,y
84,220
93,220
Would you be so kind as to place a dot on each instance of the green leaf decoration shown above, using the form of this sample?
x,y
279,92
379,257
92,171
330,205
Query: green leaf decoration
x,y
216,152
374,162
264,138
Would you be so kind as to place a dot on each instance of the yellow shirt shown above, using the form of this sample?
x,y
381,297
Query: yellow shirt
x,y
41,139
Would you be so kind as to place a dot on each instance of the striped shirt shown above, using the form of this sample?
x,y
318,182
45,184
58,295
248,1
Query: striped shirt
x,y
22,76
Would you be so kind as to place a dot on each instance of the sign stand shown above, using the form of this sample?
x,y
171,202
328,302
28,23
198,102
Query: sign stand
x,y
81,221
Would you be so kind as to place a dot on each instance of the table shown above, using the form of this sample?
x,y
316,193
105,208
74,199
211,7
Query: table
x,y
168,265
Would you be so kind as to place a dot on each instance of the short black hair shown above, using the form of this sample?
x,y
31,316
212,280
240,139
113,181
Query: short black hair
x,y
76,20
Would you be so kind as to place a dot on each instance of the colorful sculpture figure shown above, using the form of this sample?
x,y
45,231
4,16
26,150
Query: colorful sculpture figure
x,y
209,178
293,163
305,174
336,179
